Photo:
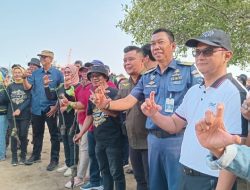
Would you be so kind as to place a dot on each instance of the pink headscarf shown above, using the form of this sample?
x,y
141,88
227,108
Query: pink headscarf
x,y
75,79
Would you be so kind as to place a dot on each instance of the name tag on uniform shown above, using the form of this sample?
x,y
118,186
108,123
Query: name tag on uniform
x,y
169,105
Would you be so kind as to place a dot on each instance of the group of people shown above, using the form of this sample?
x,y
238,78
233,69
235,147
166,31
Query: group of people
x,y
170,112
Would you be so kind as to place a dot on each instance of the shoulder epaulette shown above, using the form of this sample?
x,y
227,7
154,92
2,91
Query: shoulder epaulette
x,y
149,71
186,63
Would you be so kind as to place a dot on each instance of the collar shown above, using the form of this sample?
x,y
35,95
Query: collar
x,y
219,81
18,81
132,82
84,85
172,65
48,72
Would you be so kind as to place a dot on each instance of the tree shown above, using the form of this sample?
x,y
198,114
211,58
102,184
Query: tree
x,y
190,18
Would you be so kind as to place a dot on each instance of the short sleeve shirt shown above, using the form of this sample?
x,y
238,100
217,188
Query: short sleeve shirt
x,y
107,128
172,85
82,94
196,102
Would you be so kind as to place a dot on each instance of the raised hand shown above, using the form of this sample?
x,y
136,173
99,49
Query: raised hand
x,y
46,80
27,73
99,97
212,134
149,107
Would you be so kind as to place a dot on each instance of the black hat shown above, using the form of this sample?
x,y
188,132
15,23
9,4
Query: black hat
x,y
242,77
15,65
215,37
34,61
97,62
86,65
98,69
78,62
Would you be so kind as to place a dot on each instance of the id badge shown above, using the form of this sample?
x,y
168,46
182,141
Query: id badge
x,y
169,105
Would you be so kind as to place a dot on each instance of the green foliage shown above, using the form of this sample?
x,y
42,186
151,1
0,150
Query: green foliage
x,y
189,18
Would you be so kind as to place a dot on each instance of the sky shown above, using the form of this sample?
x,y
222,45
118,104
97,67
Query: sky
x,y
87,27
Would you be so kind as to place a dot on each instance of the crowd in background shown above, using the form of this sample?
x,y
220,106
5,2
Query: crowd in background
x,y
107,121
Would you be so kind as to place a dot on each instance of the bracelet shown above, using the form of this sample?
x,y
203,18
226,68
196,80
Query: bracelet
x,y
46,86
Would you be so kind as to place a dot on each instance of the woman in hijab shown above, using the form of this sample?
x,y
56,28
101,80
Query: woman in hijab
x,y
67,117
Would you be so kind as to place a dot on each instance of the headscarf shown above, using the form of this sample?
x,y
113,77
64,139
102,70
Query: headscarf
x,y
75,79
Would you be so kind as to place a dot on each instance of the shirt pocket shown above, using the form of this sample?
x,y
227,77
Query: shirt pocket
x,y
148,90
177,92
176,87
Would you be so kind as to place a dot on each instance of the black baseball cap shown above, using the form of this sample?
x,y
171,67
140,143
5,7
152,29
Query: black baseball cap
x,y
215,37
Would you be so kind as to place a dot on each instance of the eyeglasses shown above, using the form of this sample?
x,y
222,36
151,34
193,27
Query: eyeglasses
x,y
43,57
207,52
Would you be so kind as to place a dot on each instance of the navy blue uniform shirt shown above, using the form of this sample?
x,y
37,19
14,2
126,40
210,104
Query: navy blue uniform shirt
x,y
172,84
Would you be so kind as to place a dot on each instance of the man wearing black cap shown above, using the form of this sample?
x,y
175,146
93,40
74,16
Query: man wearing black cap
x,y
242,78
34,64
78,63
212,52
83,71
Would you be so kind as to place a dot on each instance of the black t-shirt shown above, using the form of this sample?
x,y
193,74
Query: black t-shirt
x,y
20,99
107,128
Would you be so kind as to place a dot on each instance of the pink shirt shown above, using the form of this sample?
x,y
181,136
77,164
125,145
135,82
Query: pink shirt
x,y
111,84
82,94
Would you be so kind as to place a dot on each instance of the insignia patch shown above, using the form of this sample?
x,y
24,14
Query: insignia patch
x,y
151,82
176,77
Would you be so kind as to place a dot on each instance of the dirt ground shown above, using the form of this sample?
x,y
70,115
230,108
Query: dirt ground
x,y
36,177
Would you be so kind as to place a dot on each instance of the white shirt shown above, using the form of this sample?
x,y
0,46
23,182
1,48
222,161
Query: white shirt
x,y
196,102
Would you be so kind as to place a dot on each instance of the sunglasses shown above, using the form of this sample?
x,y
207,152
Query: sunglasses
x,y
43,57
207,52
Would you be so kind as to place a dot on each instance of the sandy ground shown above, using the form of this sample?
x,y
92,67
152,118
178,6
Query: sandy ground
x,y
36,177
